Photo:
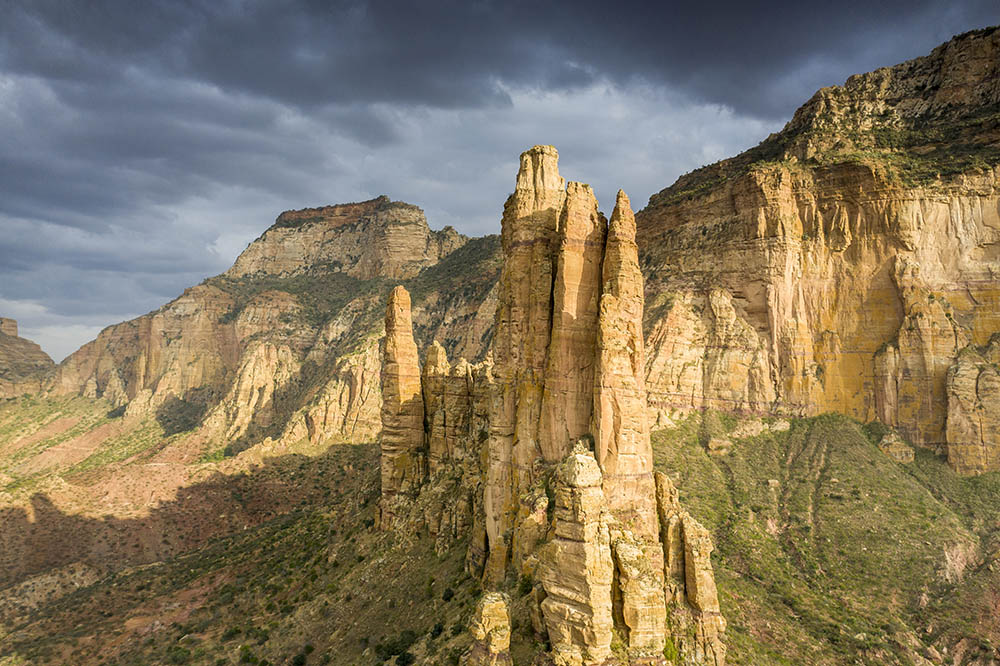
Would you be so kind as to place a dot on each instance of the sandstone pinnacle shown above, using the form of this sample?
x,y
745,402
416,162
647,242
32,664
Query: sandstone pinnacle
x,y
402,407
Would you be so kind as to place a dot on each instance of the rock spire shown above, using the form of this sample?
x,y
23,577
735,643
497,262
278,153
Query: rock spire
x,y
542,453
403,450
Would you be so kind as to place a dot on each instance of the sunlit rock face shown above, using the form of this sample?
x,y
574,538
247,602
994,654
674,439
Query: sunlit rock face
x,y
403,451
540,455
844,263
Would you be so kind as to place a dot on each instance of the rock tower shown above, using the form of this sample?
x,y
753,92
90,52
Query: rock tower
x,y
541,454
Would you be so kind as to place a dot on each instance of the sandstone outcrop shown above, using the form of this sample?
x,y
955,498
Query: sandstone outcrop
x,y
24,367
620,426
893,446
403,444
695,618
371,239
974,409
541,454
577,570
822,270
310,286
490,629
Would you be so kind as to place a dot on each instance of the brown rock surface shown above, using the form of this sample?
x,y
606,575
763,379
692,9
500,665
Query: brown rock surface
x,y
692,597
377,238
820,271
567,403
576,569
620,427
523,323
893,446
8,326
23,365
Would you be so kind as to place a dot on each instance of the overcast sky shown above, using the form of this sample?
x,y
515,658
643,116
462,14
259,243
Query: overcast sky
x,y
144,144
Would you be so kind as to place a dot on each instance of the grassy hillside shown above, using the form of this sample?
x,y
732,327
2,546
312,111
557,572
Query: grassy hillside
x,y
315,586
829,552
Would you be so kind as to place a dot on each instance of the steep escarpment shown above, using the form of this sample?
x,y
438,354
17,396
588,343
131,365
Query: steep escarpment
x,y
844,263
371,239
23,364
539,457
284,345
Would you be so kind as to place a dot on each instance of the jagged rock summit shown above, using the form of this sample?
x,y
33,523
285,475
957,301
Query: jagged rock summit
x,y
558,406
24,367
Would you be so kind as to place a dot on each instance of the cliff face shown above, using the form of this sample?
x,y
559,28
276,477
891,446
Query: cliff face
x,y
843,264
558,407
377,238
23,364
285,343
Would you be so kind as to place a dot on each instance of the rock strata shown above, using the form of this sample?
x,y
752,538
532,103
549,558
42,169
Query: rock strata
x,y
376,238
24,367
541,454
490,629
402,442
696,620
973,425
844,263
577,570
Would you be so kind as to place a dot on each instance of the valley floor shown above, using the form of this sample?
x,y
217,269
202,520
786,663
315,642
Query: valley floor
x,y
827,550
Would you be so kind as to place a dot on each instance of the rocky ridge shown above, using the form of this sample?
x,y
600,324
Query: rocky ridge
x,y
286,343
23,364
551,464
842,265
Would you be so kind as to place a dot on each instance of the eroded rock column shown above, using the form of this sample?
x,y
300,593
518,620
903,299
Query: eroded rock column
x,y
692,597
403,452
973,426
576,569
620,427
567,403
490,629
528,234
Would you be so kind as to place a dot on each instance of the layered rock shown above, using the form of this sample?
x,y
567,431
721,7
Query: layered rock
x,y
974,409
843,263
490,629
577,570
24,367
695,618
376,238
403,442
620,427
309,285
561,416
523,323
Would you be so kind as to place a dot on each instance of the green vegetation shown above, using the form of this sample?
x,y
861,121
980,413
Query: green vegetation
x,y
466,274
827,551
311,586
910,152
322,291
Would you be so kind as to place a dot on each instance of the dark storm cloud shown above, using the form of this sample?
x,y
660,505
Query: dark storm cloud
x,y
457,54
145,143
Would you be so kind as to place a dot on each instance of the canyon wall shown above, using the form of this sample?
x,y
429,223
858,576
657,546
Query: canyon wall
x,y
844,263
286,343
